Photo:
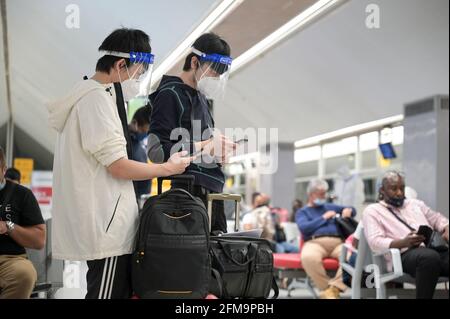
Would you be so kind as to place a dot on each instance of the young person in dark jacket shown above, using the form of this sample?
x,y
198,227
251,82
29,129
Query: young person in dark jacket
x,y
138,130
181,119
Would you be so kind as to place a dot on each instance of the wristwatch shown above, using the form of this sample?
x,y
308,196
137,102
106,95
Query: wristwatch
x,y
10,225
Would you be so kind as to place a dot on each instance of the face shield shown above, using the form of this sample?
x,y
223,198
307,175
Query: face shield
x,y
214,70
137,86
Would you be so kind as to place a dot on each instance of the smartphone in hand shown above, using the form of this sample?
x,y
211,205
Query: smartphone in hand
x,y
244,140
426,232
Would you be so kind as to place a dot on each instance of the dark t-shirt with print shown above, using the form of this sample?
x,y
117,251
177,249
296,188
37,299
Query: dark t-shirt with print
x,y
22,209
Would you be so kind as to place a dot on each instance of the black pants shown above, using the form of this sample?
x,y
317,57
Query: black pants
x,y
218,219
109,278
426,266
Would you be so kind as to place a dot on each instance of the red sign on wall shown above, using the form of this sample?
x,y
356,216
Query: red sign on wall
x,y
43,194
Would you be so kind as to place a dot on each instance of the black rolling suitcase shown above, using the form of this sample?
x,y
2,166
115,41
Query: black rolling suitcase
x,y
171,259
245,264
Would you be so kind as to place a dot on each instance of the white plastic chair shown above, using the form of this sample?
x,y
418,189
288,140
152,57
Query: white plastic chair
x,y
363,263
375,263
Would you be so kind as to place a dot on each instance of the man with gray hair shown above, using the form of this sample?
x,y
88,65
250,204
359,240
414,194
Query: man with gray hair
x,y
393,223
322,239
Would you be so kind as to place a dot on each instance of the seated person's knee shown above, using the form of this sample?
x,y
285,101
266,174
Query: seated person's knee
x,y
25,274
310,258
429,257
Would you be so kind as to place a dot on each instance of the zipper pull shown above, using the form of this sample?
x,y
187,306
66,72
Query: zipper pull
x,y
141,255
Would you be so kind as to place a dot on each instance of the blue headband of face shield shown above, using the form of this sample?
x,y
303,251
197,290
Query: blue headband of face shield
x,y
135,57
223,60
141,57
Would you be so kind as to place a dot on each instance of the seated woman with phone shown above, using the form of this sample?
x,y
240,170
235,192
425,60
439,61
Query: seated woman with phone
x,y
409,225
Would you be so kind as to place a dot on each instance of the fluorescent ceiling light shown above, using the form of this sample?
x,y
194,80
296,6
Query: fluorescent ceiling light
x,y
369,141
360,128
293,25
398,135
345,146
307,154
215,17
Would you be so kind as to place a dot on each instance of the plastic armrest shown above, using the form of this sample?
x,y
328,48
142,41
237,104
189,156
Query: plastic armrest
x,y
343,258
397,267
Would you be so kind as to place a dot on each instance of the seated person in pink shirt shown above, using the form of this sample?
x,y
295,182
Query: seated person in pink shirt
x,y
385,226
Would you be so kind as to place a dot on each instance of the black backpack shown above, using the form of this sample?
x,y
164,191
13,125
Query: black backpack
x,y
171,259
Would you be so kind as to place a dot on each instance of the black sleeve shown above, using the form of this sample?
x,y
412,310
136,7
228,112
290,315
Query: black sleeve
x,y
166,117
31,212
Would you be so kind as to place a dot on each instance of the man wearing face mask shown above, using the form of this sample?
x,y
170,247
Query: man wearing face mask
x,y
139,128
181,119
95,212
385,226
321,237
21,226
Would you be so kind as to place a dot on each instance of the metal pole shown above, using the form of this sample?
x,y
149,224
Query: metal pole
x,y
9,142
10,124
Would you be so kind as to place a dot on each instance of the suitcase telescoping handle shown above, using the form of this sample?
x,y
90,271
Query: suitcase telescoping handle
x,y
188,179
223,197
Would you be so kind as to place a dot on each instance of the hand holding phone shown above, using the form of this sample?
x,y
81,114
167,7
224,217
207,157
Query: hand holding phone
x,y
243,140
426,232
219,146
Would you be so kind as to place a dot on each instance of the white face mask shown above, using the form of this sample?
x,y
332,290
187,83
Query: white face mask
x,y
209,86
130,89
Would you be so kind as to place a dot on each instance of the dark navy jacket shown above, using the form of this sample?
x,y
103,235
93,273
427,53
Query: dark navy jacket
x,y
140,155
175,107
311,223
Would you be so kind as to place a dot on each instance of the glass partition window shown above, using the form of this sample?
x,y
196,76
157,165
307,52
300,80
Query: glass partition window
x,y
307,169
334,163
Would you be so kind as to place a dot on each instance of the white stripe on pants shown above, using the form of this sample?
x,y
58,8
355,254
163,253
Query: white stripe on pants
x,y
106,285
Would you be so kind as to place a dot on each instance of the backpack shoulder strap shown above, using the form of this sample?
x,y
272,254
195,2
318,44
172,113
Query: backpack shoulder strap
x,y
123,117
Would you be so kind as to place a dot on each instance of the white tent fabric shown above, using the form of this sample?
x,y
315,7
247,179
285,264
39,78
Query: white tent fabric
x,y
338,73
47,58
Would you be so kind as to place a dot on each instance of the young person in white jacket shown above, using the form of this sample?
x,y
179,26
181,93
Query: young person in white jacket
x,y
95,213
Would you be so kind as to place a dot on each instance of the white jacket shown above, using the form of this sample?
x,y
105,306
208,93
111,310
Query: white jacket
x,y
94,214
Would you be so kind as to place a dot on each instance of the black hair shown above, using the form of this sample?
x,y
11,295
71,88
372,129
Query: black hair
x,y
13,174
297,202
207,43
122,40
143,115
2,158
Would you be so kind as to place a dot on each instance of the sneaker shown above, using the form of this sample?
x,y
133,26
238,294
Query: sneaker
x,y
330,293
